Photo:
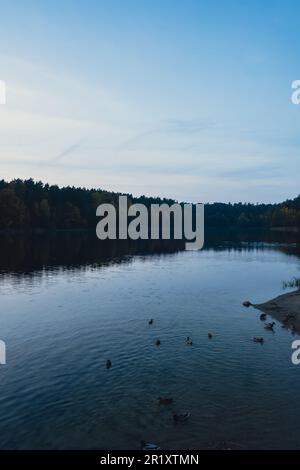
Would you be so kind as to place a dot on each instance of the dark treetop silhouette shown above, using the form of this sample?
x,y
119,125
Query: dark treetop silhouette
x,y
30,205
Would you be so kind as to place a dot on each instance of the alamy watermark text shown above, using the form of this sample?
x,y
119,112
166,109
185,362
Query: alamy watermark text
x,y
137,221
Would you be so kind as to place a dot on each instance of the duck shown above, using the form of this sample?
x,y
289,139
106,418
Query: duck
x,y
165,400
150,322
269,326
247,303
148,446
108,364
180,418
189,342
210,335
157,342
263,316
258,340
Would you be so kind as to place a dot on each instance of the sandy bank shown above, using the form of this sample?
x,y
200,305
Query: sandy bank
x,y
285,308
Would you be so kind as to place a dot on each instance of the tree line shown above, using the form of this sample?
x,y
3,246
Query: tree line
x,y
30,205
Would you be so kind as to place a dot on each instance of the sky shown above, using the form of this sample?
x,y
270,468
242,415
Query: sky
x,y
183,99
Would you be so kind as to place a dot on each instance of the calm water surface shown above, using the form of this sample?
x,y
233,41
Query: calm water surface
x,y
61,321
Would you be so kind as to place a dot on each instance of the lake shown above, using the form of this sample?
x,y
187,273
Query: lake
x,y
70,302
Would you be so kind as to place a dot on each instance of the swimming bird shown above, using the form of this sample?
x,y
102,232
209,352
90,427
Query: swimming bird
x,y
263,316
165,400
247,303
180,418
210,335
108,364
188,341
269,326
258,340
157,342
148,446
150,322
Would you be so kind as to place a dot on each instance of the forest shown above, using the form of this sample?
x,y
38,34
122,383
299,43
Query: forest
x,y
33,205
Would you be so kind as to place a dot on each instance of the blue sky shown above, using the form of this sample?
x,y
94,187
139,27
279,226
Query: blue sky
x,y
183,99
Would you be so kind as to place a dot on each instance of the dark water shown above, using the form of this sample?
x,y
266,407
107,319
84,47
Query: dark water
x,y
70,302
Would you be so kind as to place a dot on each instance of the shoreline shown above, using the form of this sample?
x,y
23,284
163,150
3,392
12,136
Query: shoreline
x,y
285,308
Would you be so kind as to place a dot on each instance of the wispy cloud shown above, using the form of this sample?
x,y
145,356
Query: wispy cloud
x,y
67,151
253,172
187,126
169,127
